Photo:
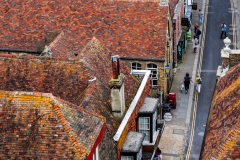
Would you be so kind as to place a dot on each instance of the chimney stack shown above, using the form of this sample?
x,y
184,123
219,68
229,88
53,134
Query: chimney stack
x,y
117,88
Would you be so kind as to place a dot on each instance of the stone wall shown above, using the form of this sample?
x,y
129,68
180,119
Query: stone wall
x,y
161,76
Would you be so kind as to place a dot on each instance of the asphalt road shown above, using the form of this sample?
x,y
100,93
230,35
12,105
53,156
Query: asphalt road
x,y
218,11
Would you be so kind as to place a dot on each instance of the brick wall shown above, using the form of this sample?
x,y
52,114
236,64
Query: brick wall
x,y
131,124
234,59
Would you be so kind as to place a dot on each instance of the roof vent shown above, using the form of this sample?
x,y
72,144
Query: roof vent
x,y
46,51
91,80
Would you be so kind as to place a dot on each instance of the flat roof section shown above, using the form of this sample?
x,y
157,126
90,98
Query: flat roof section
x,y
149,105
133,142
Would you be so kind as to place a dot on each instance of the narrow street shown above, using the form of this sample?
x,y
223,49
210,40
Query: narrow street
x,y
216,12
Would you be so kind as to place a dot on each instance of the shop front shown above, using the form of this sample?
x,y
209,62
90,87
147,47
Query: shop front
x,y
182,44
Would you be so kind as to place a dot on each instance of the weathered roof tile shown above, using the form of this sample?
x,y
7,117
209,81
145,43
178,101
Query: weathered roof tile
x,y
125,28
223,131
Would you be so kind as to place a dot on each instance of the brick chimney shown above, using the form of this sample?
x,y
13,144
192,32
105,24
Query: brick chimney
x,y
117,88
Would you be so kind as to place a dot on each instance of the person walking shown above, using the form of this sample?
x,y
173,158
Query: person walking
x,y
195,28
224,30
198,33
198,82
187,79
195,44
158,155
200,16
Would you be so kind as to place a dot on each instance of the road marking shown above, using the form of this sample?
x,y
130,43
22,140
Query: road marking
x,y
209,71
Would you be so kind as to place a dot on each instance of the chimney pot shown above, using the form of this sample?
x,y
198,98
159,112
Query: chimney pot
x,y
115,66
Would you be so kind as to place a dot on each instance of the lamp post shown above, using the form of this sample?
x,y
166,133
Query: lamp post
x,y
167,69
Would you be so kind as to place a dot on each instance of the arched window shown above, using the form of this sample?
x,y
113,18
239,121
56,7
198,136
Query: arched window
x,y
136,66
154,74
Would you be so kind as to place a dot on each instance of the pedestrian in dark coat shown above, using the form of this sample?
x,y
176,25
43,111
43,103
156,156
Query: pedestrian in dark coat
x,y
195,28
187,79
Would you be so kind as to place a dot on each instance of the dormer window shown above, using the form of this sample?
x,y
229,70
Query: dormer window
x,y
147,118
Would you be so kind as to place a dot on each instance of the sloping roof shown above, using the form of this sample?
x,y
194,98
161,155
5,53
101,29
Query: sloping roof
x,y
125,28
69,79
223,132
65,79
41,126
99,65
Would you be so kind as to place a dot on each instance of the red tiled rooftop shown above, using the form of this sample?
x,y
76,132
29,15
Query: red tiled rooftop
x,y
223,132
133,29
69,79
36,125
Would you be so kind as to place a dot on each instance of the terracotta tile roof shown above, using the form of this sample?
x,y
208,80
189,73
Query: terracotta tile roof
x,y
223,132
40,126
98,61
125,28
65,79
172,4
69,79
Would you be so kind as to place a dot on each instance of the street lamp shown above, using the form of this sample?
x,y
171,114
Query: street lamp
x,y
167,69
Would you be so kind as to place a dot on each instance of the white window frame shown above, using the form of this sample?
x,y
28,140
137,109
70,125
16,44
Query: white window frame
x,y
153,78
146,128
96,155
126,157
136,66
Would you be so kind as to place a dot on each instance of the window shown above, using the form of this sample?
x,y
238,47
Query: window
x,y
154,74
144,127
95,155
136,66
126,157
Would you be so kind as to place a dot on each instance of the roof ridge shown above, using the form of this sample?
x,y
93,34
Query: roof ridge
x,y
15,56
81,151
78,107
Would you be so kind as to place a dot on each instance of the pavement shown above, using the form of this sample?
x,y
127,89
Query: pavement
x,y
174,139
